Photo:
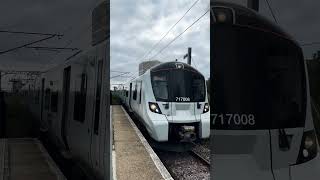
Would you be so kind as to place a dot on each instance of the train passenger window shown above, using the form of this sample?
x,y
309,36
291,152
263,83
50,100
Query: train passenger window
x,y
80,100
37,97
135,92
54,102
98,97
140,93
47,99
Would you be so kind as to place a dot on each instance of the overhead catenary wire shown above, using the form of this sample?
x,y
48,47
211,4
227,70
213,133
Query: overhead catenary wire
x,y
194,62
180,34
156,44
29,33
119,71
119,75
24,45
50,48
86,26
272,13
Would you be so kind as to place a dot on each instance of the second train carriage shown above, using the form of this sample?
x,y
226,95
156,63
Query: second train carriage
x,y
171,101
74,102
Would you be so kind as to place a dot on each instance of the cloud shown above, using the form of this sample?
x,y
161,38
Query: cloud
x,y
137,26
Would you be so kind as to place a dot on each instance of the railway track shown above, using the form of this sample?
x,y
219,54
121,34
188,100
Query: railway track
x,y
188,165
184,165
200,157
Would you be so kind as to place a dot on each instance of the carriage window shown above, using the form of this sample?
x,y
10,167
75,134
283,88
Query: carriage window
x,y
98,99
37,97
54,102
80,100
135,91
47,99
140,93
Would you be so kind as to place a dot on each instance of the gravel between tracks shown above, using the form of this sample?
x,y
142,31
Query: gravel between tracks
x,y
182,165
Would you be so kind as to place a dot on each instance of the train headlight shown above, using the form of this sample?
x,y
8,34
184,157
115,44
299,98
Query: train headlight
x,y
206,107
154,107
223,15
308,149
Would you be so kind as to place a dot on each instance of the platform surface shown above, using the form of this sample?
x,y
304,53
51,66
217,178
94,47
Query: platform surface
x,y
26,159
134,158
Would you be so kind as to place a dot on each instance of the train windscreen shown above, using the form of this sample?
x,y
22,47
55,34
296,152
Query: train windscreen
x,y
258,80
178,85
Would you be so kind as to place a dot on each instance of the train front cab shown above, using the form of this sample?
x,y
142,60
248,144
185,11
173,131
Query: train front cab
x,y
178,94
262,126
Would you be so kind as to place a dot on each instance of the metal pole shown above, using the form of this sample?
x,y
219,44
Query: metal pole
x,y
253,4
189,55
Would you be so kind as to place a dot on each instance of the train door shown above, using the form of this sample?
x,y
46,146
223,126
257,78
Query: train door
x,y
79,132
65,105
182,104
288,107
199,93
95,145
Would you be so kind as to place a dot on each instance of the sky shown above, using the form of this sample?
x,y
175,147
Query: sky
x,y
136,26
72,18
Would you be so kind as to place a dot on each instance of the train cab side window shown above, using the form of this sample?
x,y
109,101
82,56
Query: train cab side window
x,y
80,100
127,93
54,102
135,92
47,99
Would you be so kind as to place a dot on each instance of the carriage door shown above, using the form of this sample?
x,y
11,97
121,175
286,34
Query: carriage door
x,y
65,105
95,148
288,112
182,106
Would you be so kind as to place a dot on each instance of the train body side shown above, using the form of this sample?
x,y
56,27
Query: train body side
x,y
75,101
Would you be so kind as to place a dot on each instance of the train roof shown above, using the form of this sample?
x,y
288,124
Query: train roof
x,y
174,65
244,16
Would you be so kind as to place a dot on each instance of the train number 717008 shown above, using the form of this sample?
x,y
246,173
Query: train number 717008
x,y
183,99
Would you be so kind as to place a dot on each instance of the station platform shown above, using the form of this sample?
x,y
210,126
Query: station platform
x,y
26,159
133,158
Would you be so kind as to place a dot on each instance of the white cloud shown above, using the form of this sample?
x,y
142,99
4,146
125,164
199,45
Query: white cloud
x,y
137,26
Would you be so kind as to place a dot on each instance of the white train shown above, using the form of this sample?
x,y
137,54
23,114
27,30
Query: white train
x,y
74,102
262,124
171,100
